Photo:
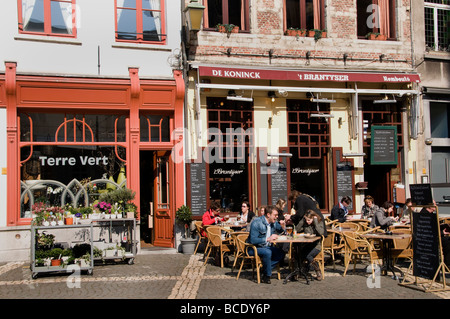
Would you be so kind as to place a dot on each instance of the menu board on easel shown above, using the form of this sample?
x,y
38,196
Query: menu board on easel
x,y
343,177
197,190
426,250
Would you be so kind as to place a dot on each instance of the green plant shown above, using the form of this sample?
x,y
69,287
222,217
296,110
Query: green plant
x,y
56,253
318,34
184,215
45,241
120,195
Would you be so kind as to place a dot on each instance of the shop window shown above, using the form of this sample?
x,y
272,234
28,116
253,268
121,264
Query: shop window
x,y
69,159
155,128
304,14
440,120
230,138
437,24
376,16
49,17
140,21
226,12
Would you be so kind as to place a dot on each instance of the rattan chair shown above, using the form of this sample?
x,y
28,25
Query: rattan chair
x,y
253,259
215,242
358,247
402,248
332,244
200,230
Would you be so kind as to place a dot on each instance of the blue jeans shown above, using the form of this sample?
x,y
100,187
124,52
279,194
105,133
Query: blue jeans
x,y
270,257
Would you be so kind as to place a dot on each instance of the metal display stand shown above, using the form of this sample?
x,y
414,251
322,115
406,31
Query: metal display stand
x,y
35,270
129,226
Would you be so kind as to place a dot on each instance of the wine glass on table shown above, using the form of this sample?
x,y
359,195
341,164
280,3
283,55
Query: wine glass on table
x,y
289,231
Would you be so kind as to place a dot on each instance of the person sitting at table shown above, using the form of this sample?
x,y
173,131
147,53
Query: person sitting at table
x,y
368,208
246,214
281,203
261,211
340,211
311,224
301,203
405,217
381,217
211,216
264,230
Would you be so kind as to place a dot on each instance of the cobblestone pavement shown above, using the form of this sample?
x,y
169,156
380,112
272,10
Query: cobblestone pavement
x,y
179,276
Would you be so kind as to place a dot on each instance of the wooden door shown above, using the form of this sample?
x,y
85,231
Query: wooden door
x,y
163,210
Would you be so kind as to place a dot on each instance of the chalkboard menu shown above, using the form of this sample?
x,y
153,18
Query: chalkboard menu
x,y
383,145
343,177
426,250
198,198
279,183
421,194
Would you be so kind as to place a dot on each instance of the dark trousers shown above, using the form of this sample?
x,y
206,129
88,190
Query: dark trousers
x,y
270,257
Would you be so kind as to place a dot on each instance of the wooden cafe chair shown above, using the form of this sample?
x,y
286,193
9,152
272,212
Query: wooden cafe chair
x,y
320,258
218,244
402,248
239,252
332,244
253,259
358,247
200,231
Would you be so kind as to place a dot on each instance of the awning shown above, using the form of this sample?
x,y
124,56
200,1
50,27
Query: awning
x,y
301,75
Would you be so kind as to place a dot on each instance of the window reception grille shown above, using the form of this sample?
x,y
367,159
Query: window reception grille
x,y
69,158
308,137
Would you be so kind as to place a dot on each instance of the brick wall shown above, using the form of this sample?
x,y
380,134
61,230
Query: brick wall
x,y
267,32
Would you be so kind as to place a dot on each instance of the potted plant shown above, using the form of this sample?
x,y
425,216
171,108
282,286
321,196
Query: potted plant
x,y
295,32
56,254
375,36
317,34
184,215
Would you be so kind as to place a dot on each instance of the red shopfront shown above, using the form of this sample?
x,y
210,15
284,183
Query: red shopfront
x,y
66,128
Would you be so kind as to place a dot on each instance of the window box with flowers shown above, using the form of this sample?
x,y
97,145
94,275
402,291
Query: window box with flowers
x,y
376,36
295,32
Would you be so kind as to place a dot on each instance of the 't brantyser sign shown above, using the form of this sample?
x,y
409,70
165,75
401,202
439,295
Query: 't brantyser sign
x,y
294,75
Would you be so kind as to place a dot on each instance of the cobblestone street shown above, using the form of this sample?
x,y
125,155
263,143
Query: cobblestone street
x,y
178,276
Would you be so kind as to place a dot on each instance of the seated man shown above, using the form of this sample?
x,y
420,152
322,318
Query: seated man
x,y
340,211
263,231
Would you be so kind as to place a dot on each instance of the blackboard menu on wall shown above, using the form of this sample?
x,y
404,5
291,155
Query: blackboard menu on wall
x,y
383,145
198,198
343,177
421,194
426,251
279,183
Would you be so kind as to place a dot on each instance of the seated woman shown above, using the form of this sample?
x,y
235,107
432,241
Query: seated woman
x,y
311,223
381,217
369,208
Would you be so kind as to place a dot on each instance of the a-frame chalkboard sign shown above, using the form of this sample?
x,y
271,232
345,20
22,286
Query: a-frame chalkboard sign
x,y
428,260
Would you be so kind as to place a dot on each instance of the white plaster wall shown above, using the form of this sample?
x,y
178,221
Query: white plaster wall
x,y
79,56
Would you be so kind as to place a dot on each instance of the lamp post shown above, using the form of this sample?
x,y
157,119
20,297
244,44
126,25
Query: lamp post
x,y
194,15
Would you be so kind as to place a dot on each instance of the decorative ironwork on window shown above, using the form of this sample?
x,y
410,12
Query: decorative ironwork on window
x,y
155,128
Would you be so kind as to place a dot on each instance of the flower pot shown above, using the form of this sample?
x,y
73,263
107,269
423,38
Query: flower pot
x,y
119,216
69,220
188,245
60,222
56,262
130,214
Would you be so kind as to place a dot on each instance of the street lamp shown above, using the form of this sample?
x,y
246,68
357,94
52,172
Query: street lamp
x,y
194,15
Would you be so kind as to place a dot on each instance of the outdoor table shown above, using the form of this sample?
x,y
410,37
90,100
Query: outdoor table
x,y
387,242
298,242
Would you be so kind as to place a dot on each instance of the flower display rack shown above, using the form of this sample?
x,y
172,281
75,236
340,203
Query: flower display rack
x,y
54,235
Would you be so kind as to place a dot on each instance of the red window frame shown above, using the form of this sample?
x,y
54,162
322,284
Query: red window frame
x,y
47,19
139,23
245,14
